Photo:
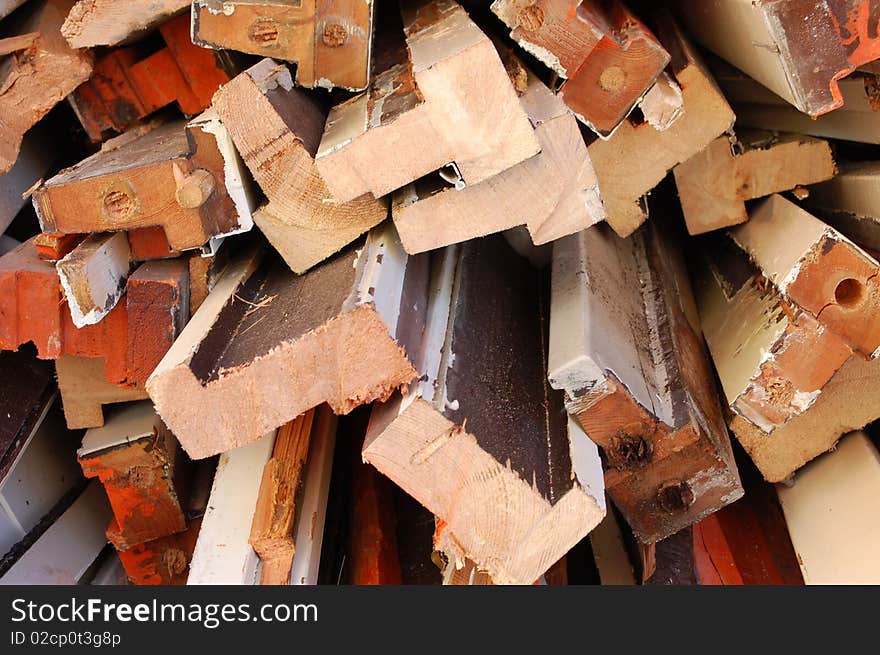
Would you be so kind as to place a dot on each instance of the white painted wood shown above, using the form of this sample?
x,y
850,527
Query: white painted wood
x,y
123,424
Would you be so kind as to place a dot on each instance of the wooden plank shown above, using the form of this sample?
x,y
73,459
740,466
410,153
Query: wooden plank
x,y
606,56
714,184
93,276
85,390
482,429
331,336
441,98
277,127
92,23
850,203
625,346
330,41
554,193
817,268
162,561
34,80
637,156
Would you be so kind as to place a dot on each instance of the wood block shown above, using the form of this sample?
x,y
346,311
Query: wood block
x,y
34,159
816,267
143,472
796,48
34,80
637,156
606,56
277,128
850,202
131,83
831,514
149,243
442,98
93,276
329,41
52,246
92,23
84,390
625,346
328,336
554,193
185,178
714,184
663,104
163,561
481,429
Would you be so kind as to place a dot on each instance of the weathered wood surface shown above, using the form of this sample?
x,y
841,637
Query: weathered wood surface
x,y
850,202
92,23
481,441
162,561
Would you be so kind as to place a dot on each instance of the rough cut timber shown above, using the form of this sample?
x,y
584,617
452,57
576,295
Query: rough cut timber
x,y
798,49
143,471
481,441
606,56
277,128
185,178
163,561
831,511
638,156
816,267
714,184
554,193
625,346
329,41
772,358
850,202
92,23
35,79
84,390
327,336
442,99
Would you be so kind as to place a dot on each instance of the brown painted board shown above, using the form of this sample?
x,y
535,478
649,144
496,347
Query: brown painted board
x,y
440,99
277,128
637,157
330,40
35,79
92,23
85,390
481,441
850,202
714,185
332,335
626,348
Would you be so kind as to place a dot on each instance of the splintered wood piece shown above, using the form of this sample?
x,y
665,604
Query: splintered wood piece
x,y
798,49
663,104
714,184
143,472
625,346
163,561
52,246
606,56
481,441
772,358
93,276
329,41
554,193
817,268
831,512
107,22
35,79
84,390
327,336
277,128
850,202
442,98
637,156
185,178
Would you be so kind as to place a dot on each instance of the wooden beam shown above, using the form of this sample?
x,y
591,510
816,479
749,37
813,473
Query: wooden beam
x,y
277,128
607,58
637,378
332,335
84,390
330,42
714,184
34,80
850,202
554,193
441,98
93,276
637,156
481,429
92,23
162,561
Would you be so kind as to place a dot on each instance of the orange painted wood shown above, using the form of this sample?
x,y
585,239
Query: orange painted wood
x,y
163,561
149,243
52,246
373,552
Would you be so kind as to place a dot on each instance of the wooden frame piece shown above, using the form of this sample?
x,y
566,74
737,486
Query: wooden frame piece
x,y
85,390
92,23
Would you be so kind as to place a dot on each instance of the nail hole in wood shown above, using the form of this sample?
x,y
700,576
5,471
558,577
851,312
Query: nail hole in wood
x,y
849,293
675,497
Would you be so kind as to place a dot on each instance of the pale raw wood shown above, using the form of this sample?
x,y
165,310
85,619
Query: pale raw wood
x,y
34,159
481,441
445,98
12,44
554,193
34,80
637,157
276,128
850,202
817,268
84,389
714,185
663,104
328,336
626,348
831,513
92,23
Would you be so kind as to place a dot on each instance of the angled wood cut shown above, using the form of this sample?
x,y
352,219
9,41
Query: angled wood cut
x,y
107,22
93,276
850,202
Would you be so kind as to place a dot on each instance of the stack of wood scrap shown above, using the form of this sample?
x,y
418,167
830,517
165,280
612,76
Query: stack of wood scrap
x,y
510,292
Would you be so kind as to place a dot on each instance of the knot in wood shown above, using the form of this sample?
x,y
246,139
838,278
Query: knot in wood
x,y
194,189
174,560
612,79
334,35
118,205
530,18
264,31
629,451
675,497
